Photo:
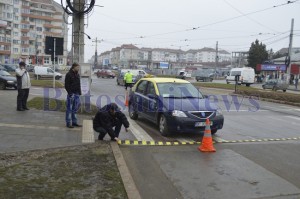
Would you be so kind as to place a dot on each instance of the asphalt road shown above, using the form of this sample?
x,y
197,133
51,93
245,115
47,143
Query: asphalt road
x,y
268,169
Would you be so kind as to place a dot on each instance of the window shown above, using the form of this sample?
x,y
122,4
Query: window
x,y
141,87
24,50
16,50
16,10
16,1
16,26
16,34
46,60
39,36
8,15
151,89
60,61
16,41
39,29
39,43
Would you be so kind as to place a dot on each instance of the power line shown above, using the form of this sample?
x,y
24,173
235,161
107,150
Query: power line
x,y
257,22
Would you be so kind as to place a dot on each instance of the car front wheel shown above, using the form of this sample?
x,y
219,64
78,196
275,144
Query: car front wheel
x,y
163,128
132,113
2,86
214,131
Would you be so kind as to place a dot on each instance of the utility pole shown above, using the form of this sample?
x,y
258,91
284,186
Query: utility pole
x,y
78,32
290,52
217,59
96,58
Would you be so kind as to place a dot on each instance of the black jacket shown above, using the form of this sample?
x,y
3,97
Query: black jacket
x,y
107,121
72,83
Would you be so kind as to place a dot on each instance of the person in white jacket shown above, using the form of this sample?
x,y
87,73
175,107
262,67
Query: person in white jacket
x,y
23,85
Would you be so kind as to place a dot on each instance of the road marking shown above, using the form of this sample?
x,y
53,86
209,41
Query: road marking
x,y
35,126
138,132
217,139
160,143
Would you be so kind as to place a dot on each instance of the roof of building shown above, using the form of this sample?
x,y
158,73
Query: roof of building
x,y
294,58
129,46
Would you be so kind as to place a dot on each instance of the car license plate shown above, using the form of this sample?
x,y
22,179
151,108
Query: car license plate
x,y
201,124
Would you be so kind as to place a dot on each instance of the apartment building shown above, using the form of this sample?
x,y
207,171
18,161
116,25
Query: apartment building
x,y
24,25
129,55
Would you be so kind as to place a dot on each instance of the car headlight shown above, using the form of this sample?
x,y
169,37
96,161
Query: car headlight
x,y
219,112
10,82
177,113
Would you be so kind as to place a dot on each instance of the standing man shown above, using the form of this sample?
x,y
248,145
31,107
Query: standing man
x,y
128,79
296,82
72,85
23,85
107,118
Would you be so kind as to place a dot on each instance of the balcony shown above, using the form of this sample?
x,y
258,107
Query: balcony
x,y
53,34
25,30
37,17
5,52
25,22
5,43
24,38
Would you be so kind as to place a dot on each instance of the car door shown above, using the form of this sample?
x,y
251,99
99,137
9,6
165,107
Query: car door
x,y
140,99
150,105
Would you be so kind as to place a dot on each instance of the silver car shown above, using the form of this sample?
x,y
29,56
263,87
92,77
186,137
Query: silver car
x,y
275,84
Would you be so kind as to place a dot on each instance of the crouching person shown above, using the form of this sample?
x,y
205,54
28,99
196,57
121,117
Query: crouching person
x,y
109,119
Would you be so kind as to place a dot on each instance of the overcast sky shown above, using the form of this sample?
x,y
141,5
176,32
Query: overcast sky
x,y
235,24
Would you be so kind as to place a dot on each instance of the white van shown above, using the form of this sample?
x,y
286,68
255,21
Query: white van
x,y
247,75
45,72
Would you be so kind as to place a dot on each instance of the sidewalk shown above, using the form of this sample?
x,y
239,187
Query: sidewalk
x,y
33,129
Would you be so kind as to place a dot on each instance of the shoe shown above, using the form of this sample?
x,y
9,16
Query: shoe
x,y
70,126
20,109
26,108
77,125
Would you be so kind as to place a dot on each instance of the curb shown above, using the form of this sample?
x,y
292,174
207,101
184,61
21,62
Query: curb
x,y
130,187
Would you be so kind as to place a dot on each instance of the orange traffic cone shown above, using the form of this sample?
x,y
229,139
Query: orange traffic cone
x,y
126,98
207,143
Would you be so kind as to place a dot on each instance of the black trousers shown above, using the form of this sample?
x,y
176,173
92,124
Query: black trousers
x,y
22,98
128,85
102,132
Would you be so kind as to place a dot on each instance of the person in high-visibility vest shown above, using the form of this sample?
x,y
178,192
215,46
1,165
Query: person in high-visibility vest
x,y
128,79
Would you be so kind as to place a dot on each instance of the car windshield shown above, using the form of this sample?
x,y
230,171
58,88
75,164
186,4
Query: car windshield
x,y
4,73
178,90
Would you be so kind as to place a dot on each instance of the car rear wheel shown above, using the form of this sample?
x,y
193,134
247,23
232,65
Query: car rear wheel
x,y
247,85
264,87
284,90
2,86
132,113
163,128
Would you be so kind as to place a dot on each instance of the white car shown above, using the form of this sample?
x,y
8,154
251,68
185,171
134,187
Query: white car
x,y
246,75
45,72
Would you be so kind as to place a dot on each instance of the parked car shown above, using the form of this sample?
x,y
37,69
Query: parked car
x,y
2,68
181,75
205,75
174,105
7,81
105,73
45,72
10,67
275,84
246,75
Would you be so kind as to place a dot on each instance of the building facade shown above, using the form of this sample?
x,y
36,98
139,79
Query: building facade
x,y
24,25
129,55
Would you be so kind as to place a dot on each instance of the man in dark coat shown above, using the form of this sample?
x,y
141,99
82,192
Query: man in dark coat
x,y
108,117
72,86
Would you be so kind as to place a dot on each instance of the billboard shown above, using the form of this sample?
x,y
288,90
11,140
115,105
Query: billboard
x,y
273,67
163,64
